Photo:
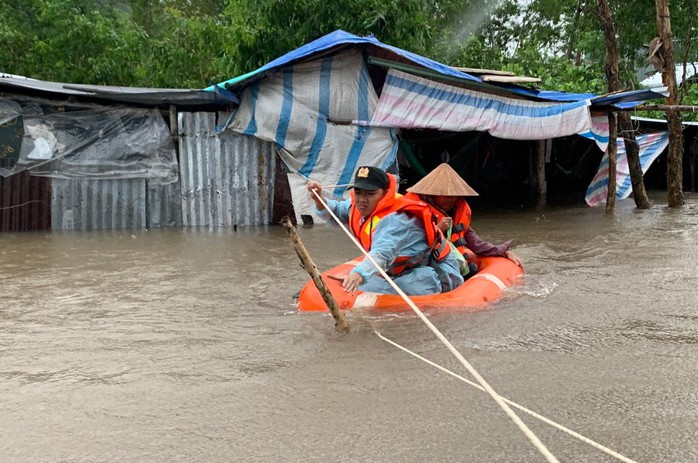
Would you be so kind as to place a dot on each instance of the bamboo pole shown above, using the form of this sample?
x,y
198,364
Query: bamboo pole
x,y
665,107
340,322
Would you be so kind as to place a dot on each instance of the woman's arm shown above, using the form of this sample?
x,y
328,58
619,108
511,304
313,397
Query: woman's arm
x,y
486,249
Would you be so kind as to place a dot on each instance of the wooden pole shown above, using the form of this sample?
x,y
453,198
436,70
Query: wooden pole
x,y
612,151
632,150
631,147
613,78
541,184
665,107
340,322
674,156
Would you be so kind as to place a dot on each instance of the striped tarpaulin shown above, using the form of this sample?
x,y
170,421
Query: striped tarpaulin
x,y
307,110
599,131
412,102
651,146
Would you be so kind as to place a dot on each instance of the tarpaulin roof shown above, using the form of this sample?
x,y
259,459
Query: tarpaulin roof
x,y
340,38
336,39
621,100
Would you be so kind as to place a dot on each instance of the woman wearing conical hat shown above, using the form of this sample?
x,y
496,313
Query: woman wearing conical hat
x,y
445,192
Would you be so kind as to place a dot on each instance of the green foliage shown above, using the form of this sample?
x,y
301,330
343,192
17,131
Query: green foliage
x,y
138,43
262,30
691,98
191,43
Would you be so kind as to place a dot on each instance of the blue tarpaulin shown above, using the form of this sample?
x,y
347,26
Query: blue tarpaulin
x,y
340,38
318,104
337,39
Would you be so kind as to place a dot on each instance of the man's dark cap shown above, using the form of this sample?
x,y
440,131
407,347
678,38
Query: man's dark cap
x,y
370,178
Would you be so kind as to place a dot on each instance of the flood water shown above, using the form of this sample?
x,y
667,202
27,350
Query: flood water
x,y
184,346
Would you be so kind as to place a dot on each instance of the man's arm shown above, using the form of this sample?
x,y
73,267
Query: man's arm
x,y
339,208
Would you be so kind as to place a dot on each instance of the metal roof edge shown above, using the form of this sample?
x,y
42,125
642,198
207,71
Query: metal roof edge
x,y
121,94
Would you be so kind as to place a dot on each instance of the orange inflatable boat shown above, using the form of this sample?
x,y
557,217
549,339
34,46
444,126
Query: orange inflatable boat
x,y
495,274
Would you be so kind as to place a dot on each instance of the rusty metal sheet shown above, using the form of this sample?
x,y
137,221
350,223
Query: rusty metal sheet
x,y
25,203
227,179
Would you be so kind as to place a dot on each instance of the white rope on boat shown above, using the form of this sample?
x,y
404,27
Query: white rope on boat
x,y
513,404
497,398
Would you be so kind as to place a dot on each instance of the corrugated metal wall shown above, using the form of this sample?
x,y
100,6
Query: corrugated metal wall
x,y
164,205
227,179
97,204
111,204
25,203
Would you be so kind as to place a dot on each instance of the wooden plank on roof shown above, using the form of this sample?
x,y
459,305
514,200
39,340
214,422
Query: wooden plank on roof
x,y
483,87
420,71
483,71
511,79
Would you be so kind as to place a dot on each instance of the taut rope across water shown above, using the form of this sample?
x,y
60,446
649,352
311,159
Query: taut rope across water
x,y
497,398
513,404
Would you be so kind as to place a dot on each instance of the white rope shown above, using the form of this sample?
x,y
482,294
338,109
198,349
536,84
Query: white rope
x,y
513,404
497,398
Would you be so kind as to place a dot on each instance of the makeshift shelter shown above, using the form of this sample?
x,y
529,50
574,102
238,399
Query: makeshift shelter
x,y
339,102
75,157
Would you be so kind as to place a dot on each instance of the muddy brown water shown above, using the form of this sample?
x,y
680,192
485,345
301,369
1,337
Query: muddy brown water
x,y
184,346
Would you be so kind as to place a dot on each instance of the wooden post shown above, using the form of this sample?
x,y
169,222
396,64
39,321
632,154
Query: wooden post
x,y
692,163
612,151
541,183
340,322
613,78
632,152
174,129
675,153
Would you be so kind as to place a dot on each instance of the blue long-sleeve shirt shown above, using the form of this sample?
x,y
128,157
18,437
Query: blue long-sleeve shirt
x,y
398,234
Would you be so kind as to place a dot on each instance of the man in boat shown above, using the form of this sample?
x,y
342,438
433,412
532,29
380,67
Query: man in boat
x,y
398,233
445,192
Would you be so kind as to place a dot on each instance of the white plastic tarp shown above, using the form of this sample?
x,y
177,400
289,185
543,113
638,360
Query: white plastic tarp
x,y
94,142
307,110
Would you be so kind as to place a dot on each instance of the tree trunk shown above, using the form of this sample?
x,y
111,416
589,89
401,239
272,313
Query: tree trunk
x,y
631,148
612,153
675,156
612,76
632,151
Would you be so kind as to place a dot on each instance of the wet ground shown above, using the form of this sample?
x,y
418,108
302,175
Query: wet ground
x,y
183,345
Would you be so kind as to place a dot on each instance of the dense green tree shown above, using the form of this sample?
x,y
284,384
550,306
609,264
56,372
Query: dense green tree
x,y
190,43
71,40
137,43
264,29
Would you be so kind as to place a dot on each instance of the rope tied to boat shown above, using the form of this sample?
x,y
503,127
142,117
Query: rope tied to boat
x,y
496,397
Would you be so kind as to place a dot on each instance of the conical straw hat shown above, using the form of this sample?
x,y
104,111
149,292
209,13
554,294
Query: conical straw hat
x,y
442,181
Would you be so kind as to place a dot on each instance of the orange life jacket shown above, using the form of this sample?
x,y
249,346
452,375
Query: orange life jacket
x,y
391,202
461,219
